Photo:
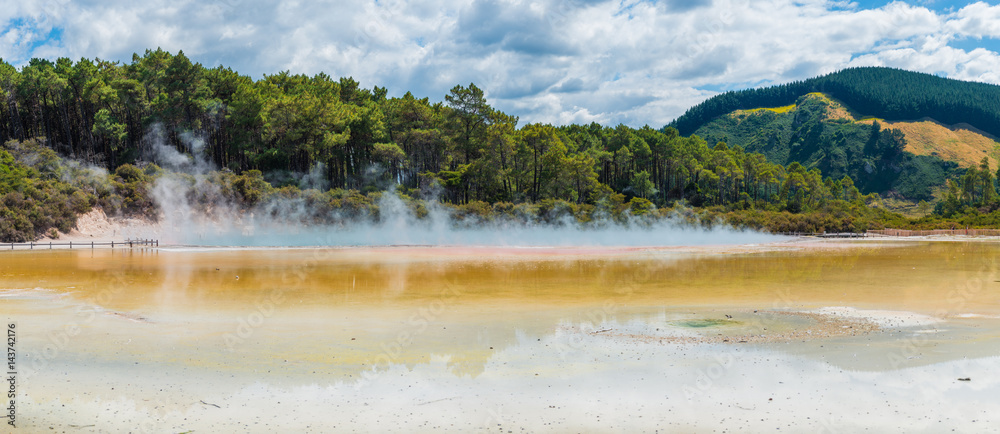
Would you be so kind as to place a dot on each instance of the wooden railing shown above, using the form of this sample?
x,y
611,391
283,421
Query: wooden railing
x,y
83,245
900,233
927,233
823,234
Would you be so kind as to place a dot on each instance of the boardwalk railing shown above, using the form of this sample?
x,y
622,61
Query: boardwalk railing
x,y
823,234
84,245
900,233
927,233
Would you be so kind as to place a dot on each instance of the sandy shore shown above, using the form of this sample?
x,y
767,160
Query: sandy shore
x,y
97,226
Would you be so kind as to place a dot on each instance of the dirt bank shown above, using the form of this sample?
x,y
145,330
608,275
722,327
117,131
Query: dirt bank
x,y
97,226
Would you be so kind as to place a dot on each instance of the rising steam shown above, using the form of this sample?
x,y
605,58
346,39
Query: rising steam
x,y
196,212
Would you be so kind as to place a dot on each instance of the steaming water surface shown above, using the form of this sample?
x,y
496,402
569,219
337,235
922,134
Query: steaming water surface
x,y
402,230
471,338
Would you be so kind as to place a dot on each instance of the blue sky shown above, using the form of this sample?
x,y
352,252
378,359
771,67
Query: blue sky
x,y
556,61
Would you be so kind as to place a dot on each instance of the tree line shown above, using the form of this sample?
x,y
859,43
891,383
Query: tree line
x,y
100,112
58,117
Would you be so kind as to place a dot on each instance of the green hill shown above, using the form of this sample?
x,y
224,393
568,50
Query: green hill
x,y
812,134
886,93
827,123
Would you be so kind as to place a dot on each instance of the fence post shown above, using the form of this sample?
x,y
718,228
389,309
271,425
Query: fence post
x,y
71,245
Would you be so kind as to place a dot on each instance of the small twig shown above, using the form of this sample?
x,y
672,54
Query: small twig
x,y
601,331
213,405
437,400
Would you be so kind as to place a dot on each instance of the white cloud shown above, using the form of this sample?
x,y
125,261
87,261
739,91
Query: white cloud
x,y
978,20
556,61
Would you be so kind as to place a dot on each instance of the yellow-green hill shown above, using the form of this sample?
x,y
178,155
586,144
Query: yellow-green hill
x,y
906,160
959,143
962,143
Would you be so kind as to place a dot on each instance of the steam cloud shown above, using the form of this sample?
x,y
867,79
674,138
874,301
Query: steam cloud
x,y
196,212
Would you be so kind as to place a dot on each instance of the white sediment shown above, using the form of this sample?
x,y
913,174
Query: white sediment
x,y
883,318
548,385
29,293
974,315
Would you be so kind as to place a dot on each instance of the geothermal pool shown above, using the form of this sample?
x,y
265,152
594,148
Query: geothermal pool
x,y
793,337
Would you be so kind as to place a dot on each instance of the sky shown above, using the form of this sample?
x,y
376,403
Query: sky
x,y
551,61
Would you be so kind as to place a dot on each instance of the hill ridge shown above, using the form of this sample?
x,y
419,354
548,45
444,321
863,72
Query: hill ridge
x,y
881,92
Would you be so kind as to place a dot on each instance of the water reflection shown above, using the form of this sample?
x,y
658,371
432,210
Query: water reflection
x,y
344,312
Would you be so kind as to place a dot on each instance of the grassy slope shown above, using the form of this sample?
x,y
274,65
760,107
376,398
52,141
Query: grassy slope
x,y
783,135
782,109
960,143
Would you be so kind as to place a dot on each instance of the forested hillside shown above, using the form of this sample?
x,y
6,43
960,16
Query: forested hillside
x,y
94,133
833,123
887,93
820,133
101,113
